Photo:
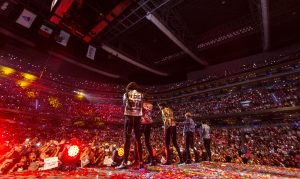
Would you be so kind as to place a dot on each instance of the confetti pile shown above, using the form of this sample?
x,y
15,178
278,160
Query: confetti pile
x,y
202,170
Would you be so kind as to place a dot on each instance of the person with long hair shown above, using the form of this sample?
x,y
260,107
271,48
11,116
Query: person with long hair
x,y
170,132
133,101
146,123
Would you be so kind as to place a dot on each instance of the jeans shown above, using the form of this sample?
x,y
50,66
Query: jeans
x,y
146,130
207,148
189,143
132,122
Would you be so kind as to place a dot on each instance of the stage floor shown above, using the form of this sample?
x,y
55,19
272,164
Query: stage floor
x,y
200,170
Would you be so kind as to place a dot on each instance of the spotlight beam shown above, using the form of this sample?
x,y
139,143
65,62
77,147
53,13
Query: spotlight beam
x,y
172,37
83,65
131,61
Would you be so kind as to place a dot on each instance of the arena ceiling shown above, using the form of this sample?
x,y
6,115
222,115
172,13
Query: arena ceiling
x,y
157,41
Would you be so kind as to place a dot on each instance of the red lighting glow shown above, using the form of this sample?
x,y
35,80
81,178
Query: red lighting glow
x,y
61,9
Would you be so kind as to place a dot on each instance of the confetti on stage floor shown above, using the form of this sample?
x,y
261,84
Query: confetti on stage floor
x,y
200,170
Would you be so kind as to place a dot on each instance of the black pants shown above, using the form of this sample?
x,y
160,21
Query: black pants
x,y
132,122
189,143
171,133
207,148
146,130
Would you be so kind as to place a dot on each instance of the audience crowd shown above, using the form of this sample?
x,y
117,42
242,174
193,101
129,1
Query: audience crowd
x,y
272,144
57,112
269,96
43,100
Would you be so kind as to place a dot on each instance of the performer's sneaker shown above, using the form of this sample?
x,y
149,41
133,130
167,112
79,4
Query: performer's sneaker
x,y
122,166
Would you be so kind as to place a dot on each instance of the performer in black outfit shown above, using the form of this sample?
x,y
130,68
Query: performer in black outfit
x,y
188,132
133,100
170,131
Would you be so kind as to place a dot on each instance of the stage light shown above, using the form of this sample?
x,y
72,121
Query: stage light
x,y
23,84
31,94
121,152
73,151
79,95
6,70
54,102
29,77
71,154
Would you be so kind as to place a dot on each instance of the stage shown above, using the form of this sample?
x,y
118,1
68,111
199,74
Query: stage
x,y
200,170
